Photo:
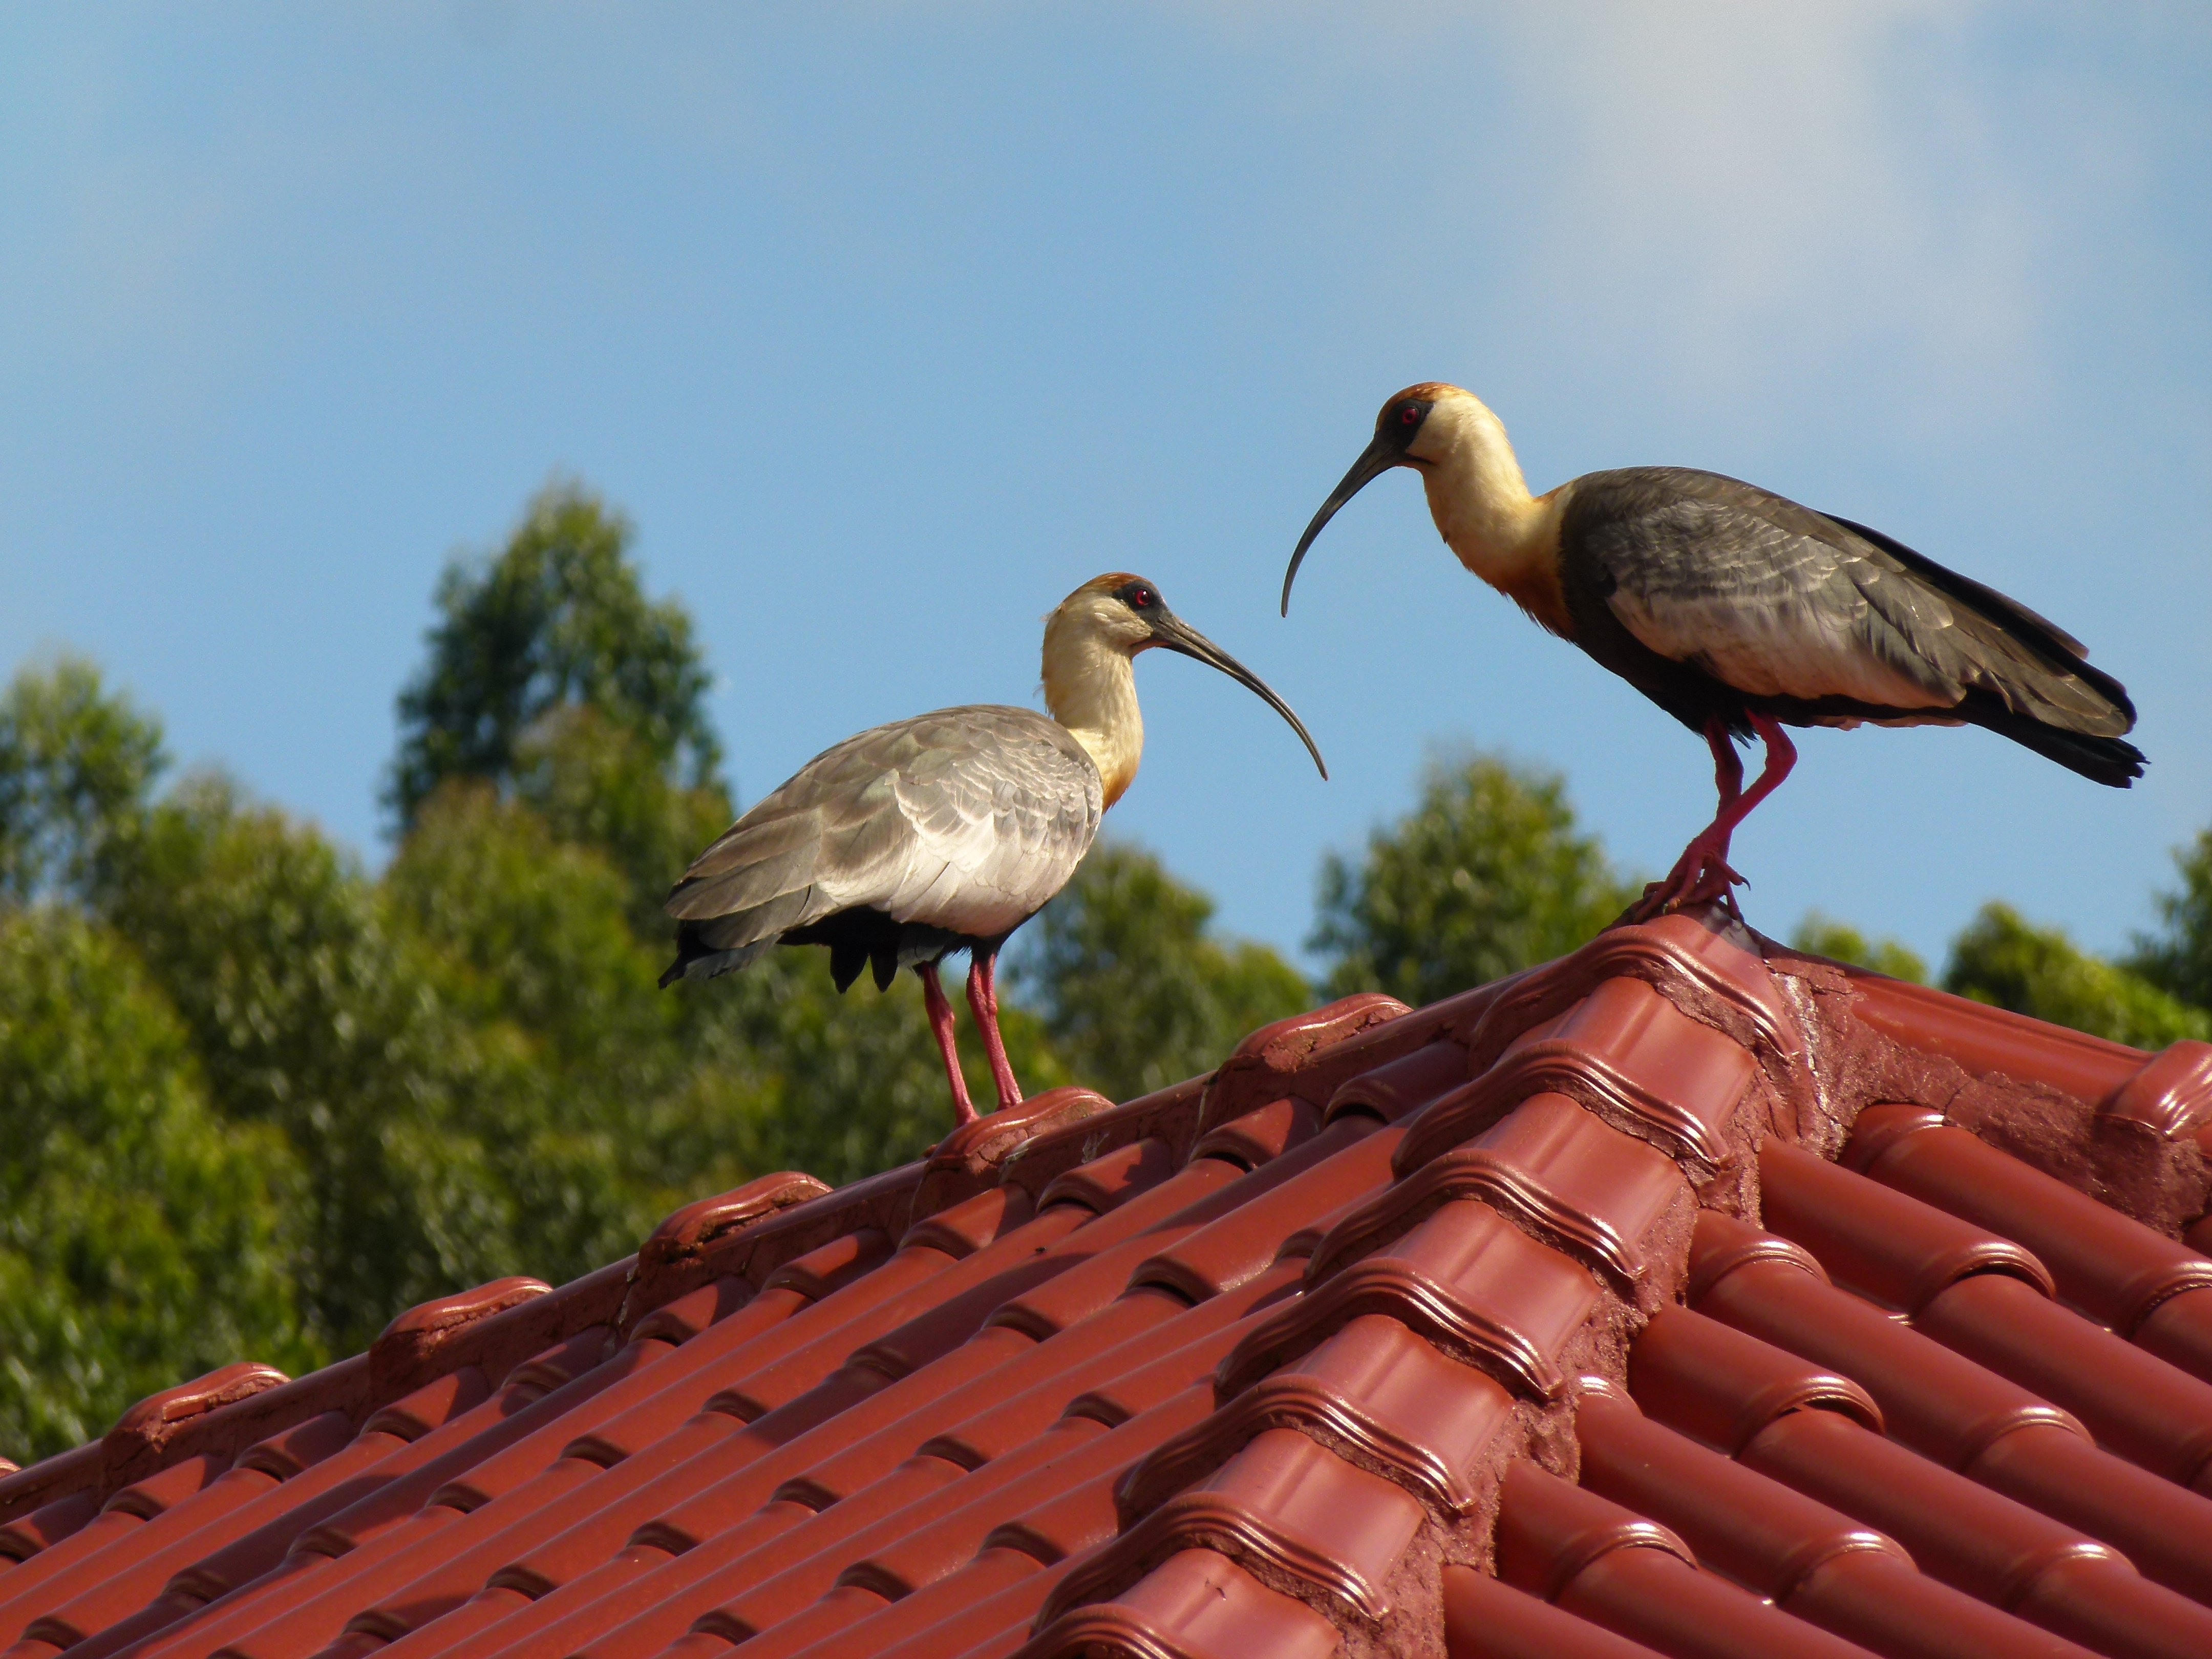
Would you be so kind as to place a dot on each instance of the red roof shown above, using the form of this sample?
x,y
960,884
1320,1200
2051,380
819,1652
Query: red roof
x,y
1683,1296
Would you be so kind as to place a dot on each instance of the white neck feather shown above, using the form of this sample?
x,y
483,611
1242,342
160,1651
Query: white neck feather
x,y
1090,689
1477,496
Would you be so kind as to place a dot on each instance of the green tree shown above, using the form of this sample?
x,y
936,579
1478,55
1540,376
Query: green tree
x,y
1133,990
2177,959
2004,960
1487,875
1824,936
525,939
142,1239
595,785
308,1014
558,617
76,764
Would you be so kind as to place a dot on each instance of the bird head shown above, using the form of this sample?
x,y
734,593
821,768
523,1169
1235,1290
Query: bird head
x,y
1123,615
1418,427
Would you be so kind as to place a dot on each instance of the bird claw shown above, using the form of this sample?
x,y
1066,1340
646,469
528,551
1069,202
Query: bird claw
x,y
1701,875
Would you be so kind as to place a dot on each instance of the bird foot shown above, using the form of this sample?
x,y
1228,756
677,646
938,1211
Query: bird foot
x,y
1701,875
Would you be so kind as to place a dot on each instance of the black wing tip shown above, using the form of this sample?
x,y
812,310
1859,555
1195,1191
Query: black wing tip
x,y
2127,762
697,959
2113,762
689,951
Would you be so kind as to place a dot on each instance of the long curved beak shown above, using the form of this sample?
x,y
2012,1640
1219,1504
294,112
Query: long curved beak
x,y
1374,461
1177,635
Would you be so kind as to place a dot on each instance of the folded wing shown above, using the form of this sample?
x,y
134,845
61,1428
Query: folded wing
x,y
1777,601
966,819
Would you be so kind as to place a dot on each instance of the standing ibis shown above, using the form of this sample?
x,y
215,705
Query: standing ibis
x,y
1738,613
947,831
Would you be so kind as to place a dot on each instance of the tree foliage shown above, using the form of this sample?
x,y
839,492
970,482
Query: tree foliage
x,y
2177,958
1825,936
76,764
594,783
2002,959
1134,991
1487,875
307,1013
558,617
142,1238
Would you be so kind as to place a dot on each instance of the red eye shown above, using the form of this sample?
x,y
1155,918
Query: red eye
x,y
1408,415
1142,599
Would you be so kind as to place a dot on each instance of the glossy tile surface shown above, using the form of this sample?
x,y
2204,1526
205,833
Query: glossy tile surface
x,y
1682,1297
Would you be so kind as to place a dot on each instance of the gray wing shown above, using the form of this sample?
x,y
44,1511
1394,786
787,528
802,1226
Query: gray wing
x,y
1776,600
967,819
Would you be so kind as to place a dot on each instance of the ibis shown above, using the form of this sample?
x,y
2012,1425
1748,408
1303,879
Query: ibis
x,y
1739,612
948,831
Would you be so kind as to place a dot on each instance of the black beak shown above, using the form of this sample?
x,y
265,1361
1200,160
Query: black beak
x,y
1374,461
1177,635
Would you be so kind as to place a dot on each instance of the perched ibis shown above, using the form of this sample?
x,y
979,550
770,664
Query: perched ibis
x,y
1738,613
947,831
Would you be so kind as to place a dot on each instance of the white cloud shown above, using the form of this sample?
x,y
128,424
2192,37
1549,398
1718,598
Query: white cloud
x,y
1741,189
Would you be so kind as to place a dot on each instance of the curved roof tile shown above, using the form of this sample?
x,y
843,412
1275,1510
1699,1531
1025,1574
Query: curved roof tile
x,y
1683,1296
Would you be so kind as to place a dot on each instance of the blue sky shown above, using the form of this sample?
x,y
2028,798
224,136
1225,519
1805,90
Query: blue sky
x,y
888,325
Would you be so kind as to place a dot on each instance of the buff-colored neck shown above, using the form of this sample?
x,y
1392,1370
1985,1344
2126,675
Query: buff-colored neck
x,y
1090,689
1478,497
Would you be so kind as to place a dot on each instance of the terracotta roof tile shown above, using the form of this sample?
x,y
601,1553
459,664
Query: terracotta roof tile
x,y
1685,1296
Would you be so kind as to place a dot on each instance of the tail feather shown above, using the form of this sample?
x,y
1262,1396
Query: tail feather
x,y
697,958
2106,760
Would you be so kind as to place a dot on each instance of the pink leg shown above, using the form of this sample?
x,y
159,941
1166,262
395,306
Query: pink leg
x,y
940,1027
1702,873
983,1002
1728,765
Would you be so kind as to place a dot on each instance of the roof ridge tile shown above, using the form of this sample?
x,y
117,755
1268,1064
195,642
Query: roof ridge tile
x,y
1168,1115
408,1346
1300,1519
1627,1053
1555,1170
132,1451
1708,965
1375,1394
973,1157
672,1259
1442,1280
2045,1096
1309,1054
1198,1604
